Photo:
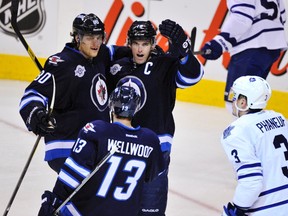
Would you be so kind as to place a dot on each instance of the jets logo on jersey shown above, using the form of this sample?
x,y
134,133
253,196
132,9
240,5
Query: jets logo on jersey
x,y
80,71
115,69
227,132
54,60
137,84
89,127
98,92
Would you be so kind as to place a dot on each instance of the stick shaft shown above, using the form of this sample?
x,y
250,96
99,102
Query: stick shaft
x,y
14,11
22,176
98,166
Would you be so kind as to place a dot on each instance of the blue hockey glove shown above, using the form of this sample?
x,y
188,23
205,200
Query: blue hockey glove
x,y
50,203
233,210
213,49
40,122
175,33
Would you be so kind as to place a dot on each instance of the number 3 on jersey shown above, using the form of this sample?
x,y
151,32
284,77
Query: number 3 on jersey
x,y
278,140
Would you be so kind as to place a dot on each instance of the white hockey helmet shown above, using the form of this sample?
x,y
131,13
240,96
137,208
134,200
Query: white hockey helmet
x,y
256,89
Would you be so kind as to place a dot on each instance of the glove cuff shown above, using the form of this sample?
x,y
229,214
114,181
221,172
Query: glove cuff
x,y
226,45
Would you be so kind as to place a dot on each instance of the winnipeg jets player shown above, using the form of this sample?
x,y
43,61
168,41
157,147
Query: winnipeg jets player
x,y
257,145
156,78
253,33
81,91
117,186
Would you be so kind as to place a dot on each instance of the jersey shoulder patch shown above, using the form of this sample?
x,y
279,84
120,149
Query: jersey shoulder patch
x,y
54,60
227,131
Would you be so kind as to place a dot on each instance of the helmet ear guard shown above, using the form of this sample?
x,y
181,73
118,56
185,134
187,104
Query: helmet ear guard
x,y
256,90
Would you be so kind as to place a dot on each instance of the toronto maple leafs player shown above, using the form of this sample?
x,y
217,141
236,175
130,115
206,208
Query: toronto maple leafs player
x,y
253,33
115,189
156,78
81,91
256,144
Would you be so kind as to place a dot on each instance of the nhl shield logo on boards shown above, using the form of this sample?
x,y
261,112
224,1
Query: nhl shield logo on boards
x,y
30,18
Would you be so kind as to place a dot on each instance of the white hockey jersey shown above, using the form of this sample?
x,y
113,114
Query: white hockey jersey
x,y
257,146
254,24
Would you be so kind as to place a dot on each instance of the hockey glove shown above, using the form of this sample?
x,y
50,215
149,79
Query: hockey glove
x,y
40,122
175,33
50,203
213,49
233,210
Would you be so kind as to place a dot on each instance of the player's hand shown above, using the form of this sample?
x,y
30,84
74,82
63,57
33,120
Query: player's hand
x,y
49,204
233,210
212,50
40,122
175,33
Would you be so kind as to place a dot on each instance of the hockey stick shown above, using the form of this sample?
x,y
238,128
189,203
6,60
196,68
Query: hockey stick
x,y
193,40
98,166
14,11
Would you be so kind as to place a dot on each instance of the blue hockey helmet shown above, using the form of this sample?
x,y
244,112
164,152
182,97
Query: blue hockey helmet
x,y
124,101
88,24
141,30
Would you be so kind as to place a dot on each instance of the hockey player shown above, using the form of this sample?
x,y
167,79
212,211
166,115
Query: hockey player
x,y
81,91
115,189
256,144
156,78
253,34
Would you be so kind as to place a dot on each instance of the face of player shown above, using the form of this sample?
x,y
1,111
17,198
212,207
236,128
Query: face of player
x,y
90,45
239,107
141,50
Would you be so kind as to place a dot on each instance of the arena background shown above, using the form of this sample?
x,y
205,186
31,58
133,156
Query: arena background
x,y
46,25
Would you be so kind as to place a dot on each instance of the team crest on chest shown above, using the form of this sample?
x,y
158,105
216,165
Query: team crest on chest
x,y
137,84
80,71
99,92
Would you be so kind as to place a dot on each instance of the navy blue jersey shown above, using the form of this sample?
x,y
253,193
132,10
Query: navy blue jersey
x,y
81,96
116,187
157,81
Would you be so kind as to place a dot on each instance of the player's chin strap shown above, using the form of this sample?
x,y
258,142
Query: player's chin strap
x,y
111,116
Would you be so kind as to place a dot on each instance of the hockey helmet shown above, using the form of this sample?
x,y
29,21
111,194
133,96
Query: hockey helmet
x,y
141,30
124,101
88,24
254,88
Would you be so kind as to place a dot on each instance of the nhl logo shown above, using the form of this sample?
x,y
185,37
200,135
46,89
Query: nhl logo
x,y
31,16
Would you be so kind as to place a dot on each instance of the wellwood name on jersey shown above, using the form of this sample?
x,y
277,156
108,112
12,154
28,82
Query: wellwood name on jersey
x,y
271,123
130,148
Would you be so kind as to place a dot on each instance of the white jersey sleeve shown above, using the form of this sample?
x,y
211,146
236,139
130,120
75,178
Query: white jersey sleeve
x,y
257,146
255,24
